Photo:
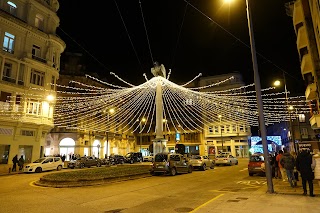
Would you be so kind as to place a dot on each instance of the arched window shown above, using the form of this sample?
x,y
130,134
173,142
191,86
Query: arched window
x,y
66,146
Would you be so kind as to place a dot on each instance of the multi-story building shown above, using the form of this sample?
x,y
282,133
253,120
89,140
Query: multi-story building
x,y
30,64
83,140
306,23
225,135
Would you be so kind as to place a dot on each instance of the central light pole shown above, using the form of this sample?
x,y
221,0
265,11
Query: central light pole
x,y
111,111
140,125
259,99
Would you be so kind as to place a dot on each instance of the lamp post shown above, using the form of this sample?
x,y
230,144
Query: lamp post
x,y
111,111
288,109
259,100
140,125
220,116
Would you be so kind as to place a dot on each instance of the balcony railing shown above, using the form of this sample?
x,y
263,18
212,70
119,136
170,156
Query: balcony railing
x,y
39,59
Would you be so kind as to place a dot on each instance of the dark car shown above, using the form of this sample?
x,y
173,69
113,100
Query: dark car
x,y
84,162
132,157
116,159
170,163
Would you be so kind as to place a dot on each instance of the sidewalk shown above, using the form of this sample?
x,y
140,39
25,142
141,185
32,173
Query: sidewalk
x,y
285,199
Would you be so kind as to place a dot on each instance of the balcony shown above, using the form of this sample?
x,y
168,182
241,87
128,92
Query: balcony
x,y
315,121
306,64
311,92
302,39
297,13
39,59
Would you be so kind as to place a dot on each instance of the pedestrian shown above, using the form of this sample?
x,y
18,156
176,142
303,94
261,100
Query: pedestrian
x,y
20,163
63,158
288,162
305,165
14,161
282,170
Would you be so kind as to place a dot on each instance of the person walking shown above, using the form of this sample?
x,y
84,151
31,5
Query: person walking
x,y
288,162
14,161
305,165
21,163
276,167
282,170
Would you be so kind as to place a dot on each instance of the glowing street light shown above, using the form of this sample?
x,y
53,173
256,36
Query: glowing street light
x,y
50,97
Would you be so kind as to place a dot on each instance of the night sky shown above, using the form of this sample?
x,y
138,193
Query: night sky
x,y
127,36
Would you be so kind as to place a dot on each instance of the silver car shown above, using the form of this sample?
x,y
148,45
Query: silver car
x,y
201,162
226,159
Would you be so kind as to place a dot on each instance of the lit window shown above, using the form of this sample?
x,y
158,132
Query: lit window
x,y
33,107
8,42
302,118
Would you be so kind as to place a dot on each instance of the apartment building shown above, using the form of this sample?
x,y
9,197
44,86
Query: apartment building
x,y
306,22
29,69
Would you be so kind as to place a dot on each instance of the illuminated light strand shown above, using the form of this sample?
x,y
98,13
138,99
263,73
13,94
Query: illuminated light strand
x,y
103,82
169,74
211,85
112,73
199,75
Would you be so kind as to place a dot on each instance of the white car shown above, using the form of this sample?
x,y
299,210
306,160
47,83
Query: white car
x,y
226,159
201,162
44,164
148,158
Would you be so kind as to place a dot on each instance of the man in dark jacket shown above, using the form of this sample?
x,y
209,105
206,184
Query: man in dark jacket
x,y
288,163
304,166
15,162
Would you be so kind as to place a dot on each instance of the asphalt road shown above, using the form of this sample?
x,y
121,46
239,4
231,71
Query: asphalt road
x,y
180,193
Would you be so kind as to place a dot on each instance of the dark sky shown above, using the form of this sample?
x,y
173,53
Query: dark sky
x,y
126,36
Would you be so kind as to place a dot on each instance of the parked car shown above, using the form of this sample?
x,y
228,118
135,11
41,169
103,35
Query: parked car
x,y
170,163
84,162
116,159
256,165
44,164
132,157
226,159
201,162
105,161
148,158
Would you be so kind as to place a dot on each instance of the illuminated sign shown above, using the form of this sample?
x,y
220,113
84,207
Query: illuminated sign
x,y
177,136
256,143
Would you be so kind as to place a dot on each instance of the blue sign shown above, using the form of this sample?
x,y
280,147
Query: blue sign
x,y
177,136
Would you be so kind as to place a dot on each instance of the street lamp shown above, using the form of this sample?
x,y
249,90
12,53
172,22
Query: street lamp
x,y
288,109
259,100
111,111
140,125
220,116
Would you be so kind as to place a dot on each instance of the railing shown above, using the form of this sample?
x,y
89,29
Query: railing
x,y
39,59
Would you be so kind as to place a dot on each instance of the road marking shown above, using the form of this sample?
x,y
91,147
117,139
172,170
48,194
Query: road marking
x,y
206,203
242,170
34,185
250,182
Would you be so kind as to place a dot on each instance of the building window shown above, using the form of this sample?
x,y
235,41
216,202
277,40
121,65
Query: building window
x,y
33,107
234,128
53,81
7,74
27,132
4,153
8,42
302,118
12,8
216,129
210,130
241,128
39,22
37,78
54,59
228,128
36,51
304,132
221,129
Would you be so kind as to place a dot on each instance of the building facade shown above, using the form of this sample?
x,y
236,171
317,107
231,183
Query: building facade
x,y
30,64
306,22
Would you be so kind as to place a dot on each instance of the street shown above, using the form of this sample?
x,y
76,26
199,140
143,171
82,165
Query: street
x,y
181,193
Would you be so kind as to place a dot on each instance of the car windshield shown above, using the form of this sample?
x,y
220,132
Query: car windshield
x,y
39,160
256,158
161,157
222,156
195,157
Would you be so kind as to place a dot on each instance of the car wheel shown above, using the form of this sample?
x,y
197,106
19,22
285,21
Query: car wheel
x,y
230,163
190,169
81,166
237,163
131,161
250,174
98,164
59,168
203,167
173,171
38,170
